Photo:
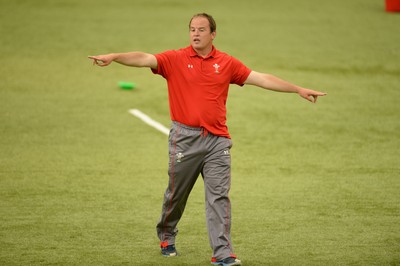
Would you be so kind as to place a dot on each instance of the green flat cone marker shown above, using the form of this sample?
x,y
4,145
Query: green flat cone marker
x,y
126,85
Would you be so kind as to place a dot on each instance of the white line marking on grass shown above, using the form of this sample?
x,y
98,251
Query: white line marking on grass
x,y
145,118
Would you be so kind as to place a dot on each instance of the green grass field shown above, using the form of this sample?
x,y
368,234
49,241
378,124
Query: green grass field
x,y
82,180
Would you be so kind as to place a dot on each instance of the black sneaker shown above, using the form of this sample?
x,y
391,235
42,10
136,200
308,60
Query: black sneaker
x,y
229,261
169,251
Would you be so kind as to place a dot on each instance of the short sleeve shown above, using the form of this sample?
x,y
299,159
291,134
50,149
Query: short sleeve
x,y
240,72
164,63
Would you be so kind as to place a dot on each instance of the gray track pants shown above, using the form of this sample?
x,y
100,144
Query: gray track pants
x,y
192,151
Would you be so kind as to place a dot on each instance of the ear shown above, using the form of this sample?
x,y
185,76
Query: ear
x,y
213,35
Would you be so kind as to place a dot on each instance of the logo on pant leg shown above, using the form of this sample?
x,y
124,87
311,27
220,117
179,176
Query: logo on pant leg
x,y
179,157
226,152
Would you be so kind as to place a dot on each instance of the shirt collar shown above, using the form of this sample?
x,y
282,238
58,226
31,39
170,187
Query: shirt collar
x,y
193,53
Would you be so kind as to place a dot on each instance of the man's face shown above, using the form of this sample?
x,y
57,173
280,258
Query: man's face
x,y
201,36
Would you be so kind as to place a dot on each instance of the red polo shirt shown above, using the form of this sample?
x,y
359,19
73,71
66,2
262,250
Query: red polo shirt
x,y
198,87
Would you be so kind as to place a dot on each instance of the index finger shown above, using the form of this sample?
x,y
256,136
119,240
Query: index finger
x,y
92,57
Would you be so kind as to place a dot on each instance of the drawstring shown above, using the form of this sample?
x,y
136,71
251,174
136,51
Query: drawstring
x,y
203,132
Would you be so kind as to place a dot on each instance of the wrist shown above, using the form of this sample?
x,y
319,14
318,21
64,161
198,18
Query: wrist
x,y
114,56
298,90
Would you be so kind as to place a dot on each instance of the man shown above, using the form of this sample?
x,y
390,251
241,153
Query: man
x,y
198,78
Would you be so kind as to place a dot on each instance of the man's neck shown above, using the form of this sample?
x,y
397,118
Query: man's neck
x,y
203,52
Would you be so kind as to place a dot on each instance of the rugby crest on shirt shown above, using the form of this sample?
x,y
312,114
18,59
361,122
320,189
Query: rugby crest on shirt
x,y
216,66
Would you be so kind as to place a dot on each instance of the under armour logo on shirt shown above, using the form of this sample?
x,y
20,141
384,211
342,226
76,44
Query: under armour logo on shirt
x,y
190,66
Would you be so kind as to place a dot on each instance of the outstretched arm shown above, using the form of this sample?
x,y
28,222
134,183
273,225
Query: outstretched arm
x,y
133,59
270,82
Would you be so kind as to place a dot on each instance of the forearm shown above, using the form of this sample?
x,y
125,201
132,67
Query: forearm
x,y
133,59
270,82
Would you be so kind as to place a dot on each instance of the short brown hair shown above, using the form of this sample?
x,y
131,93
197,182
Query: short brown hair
x,y
213,25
